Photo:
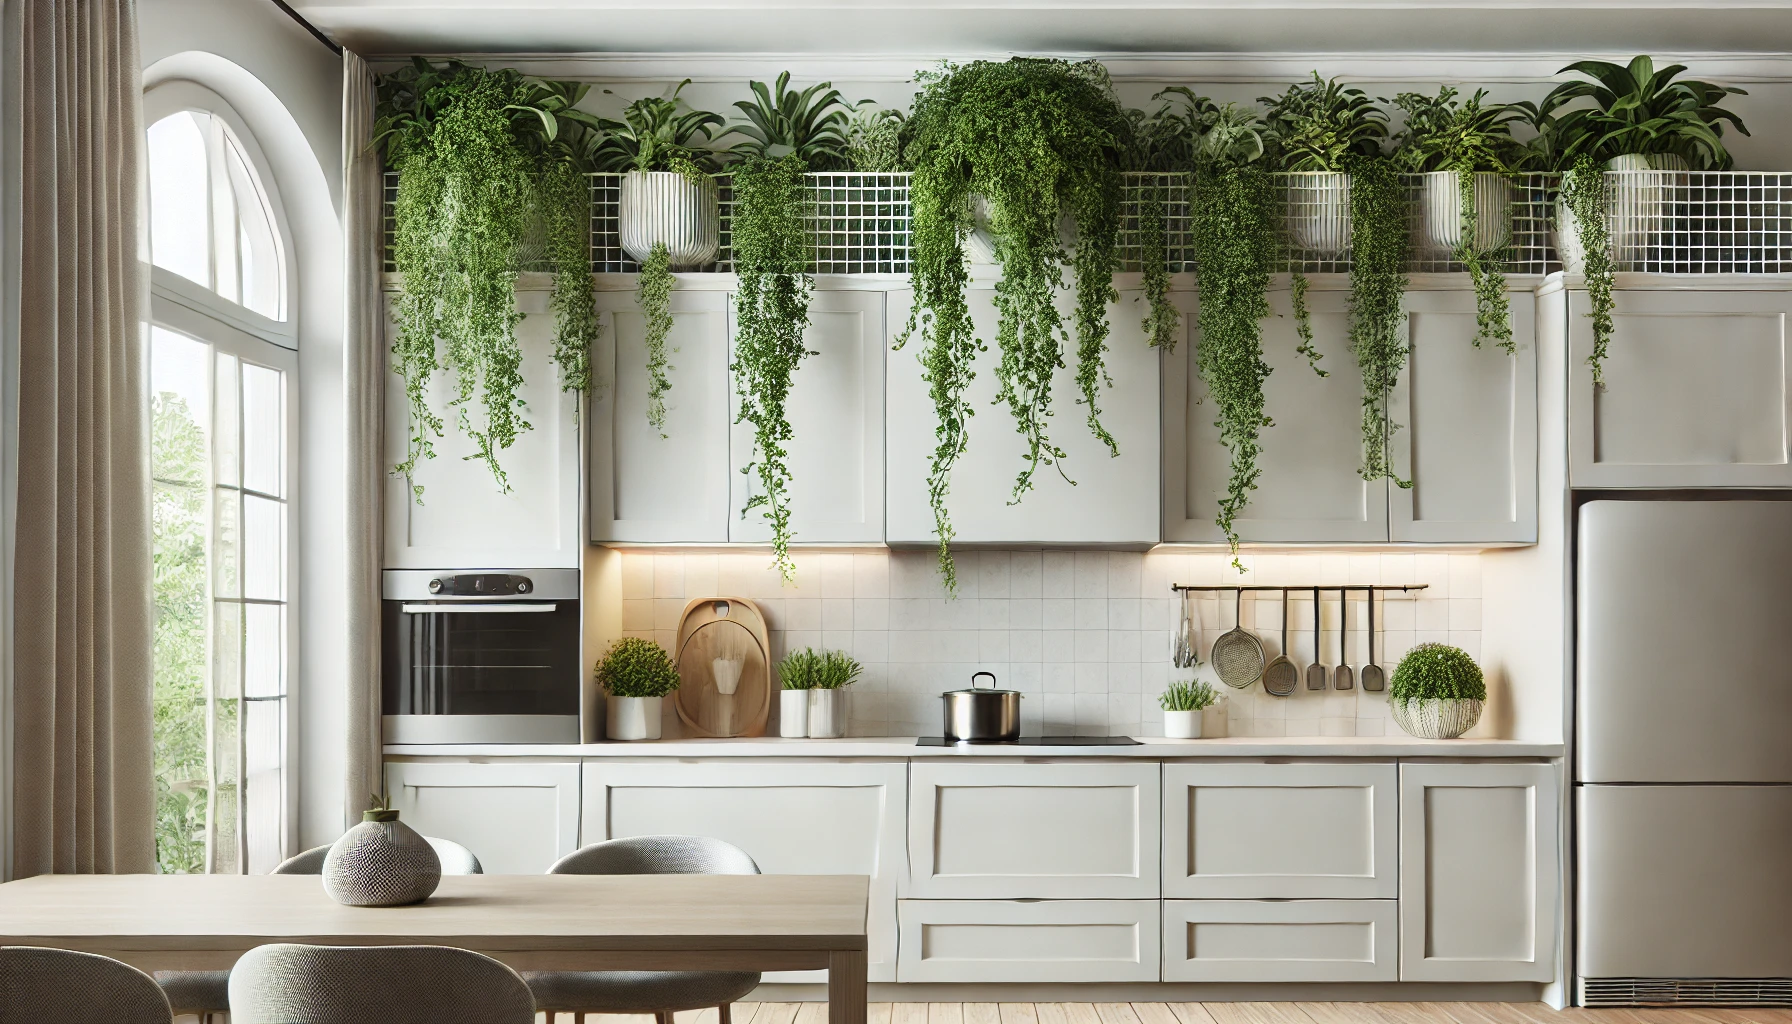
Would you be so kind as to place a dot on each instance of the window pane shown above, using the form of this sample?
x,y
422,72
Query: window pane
x,y
264,650
264,817
263,548
223,811
226,416
179,221
263,420
257,239
227,543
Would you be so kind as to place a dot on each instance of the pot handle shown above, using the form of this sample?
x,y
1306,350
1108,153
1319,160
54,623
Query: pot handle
x,y
978,675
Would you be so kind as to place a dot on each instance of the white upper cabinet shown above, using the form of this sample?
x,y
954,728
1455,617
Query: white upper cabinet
x,y
1467,425
464,518
648,488
1114,500
1696,391
836,411
1309,489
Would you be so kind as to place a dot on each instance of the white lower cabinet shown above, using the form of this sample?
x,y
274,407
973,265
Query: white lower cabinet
x,y
517,818
1029,940
1281,940
1479,872
792,818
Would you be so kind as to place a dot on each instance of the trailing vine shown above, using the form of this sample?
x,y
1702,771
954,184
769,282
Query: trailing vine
x,y
653,294
771,309
1486,272
1161,318
566,208
1378,244
1583,191
1303,321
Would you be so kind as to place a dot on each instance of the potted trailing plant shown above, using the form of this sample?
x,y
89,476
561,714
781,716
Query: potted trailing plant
x,y
1465,156
635,674
668,197
653,296
484,159
1036,139
1437,692
1379,247
1162,143
1183,703
819,678
1320,129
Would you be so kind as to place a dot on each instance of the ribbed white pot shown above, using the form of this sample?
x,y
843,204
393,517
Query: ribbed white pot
x,y
1182,725
1439,231
827,714
1636,208
632,718
793,714
667,207
1436,718
1318,212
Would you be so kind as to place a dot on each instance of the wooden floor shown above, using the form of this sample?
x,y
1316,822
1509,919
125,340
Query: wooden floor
x,y
1210,1013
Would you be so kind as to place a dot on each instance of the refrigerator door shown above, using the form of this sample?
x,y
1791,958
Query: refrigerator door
x,y
1684,881
1684,641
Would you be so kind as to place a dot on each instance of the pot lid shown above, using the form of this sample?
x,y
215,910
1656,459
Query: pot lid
x,y
984,690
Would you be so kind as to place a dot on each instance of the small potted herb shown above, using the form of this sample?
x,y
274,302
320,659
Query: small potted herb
x,y
812,701
636,674
1437,692
1183,703
1319,129
668,197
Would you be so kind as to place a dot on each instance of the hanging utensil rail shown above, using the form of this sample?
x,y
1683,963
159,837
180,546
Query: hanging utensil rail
x,y
1357,589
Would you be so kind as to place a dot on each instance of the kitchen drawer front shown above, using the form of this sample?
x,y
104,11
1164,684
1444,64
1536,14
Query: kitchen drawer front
x,y
1018,831
1283,940
1028,940
1281,831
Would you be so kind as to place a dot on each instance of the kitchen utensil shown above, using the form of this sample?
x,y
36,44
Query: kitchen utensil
x,y
1182,645
1374,679
976,715
1280,677
1237,654
1316,672
724,668
1342,677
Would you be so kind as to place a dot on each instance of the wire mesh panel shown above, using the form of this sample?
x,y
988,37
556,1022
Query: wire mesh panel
x,y
1700,222
1170,194
859,223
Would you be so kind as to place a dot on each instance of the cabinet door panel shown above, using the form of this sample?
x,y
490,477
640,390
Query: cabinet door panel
x,y
1309,489
1467,426
1115,499
1478,872
1052,940
1696,391
836,411
1280,831
1008,831
1295,940
518,819
645,487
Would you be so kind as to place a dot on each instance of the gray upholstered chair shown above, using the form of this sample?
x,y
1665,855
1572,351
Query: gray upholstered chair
x,y
38,984
208,992
288,983
660,993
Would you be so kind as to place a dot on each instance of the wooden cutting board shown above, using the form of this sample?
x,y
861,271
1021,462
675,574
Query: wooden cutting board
x,y
728,629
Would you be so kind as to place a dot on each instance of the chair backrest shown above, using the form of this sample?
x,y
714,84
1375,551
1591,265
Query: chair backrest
x,y
288,983
456,860
38,984
657,855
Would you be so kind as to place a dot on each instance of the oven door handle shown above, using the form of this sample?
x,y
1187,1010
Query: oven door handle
x,y
448,607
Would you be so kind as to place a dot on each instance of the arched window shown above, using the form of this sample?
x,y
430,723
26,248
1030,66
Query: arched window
x,y
222,365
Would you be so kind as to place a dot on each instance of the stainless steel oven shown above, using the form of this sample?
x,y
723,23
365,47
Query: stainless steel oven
x,y
481,656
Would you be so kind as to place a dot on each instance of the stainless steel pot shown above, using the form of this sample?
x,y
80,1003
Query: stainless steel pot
x,y
982,716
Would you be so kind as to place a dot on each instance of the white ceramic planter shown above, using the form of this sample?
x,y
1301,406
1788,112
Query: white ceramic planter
x,y
1439,230
667,207
1182,725
827,714
1436,719
1636,209
1318,216
793,713
632,718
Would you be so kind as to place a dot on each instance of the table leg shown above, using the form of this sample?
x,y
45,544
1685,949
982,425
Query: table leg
x,y
846,987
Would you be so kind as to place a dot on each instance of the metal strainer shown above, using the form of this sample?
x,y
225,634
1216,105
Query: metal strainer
x,y
1280,677
1237,655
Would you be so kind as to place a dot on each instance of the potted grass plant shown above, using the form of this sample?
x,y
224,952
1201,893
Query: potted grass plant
x,y
1183,703
813,701
668,196
1318,130
636,675
1437,692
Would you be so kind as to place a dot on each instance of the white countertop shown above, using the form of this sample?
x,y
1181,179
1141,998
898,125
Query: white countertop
x,y
1149,748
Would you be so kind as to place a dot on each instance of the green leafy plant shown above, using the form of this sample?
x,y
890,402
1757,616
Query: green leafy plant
x,y
1036,139
1187,696
1634,110
1443,133
1162,141
1433,671
1324,126
659,133
809,669
771,310
1378,246
637,667
1583,192
812,125
653,294
874,139
479,154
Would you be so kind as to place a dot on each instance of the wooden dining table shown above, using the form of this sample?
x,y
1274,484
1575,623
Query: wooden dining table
x,y
531,922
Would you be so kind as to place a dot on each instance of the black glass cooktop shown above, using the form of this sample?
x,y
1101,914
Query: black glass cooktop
x,y
1036,741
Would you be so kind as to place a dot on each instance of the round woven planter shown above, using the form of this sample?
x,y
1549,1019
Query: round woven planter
x,y
1440,199
665,207
1436,718
1318,214
381,864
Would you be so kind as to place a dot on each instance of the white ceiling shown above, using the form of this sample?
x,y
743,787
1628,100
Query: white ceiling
x,y
946,27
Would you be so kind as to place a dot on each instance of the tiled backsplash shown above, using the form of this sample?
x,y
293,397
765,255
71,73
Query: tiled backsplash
x,y
1085,635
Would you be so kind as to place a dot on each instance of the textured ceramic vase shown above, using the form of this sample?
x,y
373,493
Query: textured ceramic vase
x,y
1440,200
1318,214
667,208
1436,718
633,718
381,862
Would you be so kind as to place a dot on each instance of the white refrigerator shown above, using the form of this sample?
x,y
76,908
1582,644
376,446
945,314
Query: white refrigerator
x,y
1683,760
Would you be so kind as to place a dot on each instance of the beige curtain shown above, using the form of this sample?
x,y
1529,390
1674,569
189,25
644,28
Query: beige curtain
x,y
83,792
364,382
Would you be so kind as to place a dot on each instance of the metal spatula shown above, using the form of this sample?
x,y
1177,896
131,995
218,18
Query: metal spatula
x,y
1237,654
1342,677
1280,677
1316,671
1373,678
